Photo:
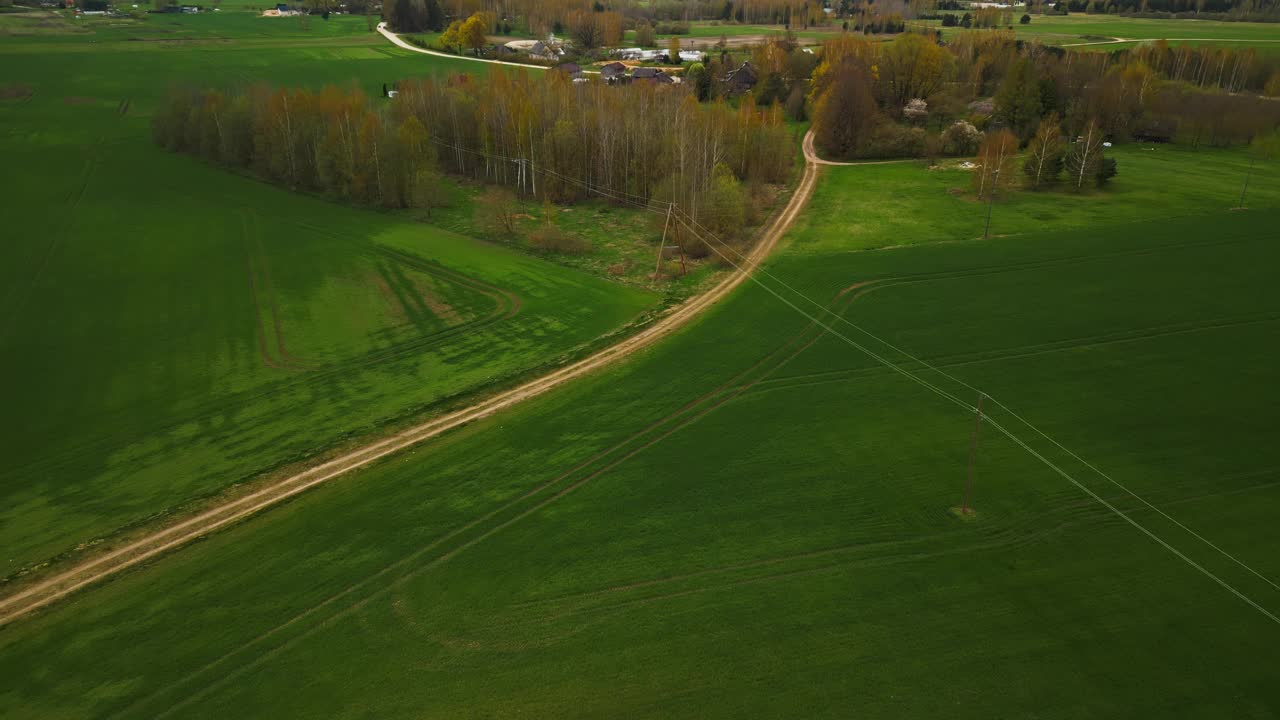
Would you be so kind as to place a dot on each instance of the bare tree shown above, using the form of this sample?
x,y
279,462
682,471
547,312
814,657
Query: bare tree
x,y
1082,161
995,163
1044,152
496,211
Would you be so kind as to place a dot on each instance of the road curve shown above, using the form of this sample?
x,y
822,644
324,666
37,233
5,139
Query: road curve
x,y
92,570
811,156
398,42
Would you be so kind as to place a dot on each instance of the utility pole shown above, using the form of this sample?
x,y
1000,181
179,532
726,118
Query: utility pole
x,y
991,201
1245,189
657,268
973,458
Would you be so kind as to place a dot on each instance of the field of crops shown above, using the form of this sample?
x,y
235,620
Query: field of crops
x,y
755,518
170,328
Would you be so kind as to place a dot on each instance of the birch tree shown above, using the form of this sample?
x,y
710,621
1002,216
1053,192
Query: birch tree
x,y
1085,155
1044,152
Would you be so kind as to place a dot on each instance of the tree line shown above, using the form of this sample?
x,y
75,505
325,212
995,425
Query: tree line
x,y
568,17
915,97
1252,10
541,135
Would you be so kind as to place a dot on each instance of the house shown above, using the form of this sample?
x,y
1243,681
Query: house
x,y
532,48
648,74
614,72
740,80
571,69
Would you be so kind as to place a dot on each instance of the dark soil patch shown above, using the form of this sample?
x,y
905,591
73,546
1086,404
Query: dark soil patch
x,y
15,91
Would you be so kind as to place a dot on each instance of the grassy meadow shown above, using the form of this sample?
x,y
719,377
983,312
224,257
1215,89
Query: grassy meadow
x,y
170,328
754,518
1097,32
1081,30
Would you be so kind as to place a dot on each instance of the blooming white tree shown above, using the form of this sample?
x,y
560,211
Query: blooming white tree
x,y
916,110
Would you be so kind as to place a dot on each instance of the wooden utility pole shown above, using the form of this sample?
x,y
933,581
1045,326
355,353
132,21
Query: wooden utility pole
x,y
973,457
1245,189
991,201
657,268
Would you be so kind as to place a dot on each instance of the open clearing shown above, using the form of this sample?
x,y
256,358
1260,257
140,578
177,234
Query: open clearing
x,y
1093,31
753,518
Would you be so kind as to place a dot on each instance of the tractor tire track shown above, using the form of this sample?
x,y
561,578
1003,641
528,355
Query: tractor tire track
x,y
20,294
44,592
508,305
669,424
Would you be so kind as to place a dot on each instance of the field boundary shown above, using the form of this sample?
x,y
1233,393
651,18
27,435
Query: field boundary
x,y
45,592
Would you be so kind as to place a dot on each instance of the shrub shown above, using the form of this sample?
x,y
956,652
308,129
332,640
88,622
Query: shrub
x,y
496,211
1026,20
1272,88
794,106
915,110
1106,170
551,238
895,141
961,138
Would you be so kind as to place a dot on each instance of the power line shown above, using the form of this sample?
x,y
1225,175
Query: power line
x,y
691,224
1003,430
1019,418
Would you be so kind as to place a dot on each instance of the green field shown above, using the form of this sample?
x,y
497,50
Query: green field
x,y
1091,30
753,519
170,328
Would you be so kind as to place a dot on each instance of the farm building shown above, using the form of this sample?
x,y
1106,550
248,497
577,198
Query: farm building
x,y
648,74
641,54
570,69
614,72
532,48
740,80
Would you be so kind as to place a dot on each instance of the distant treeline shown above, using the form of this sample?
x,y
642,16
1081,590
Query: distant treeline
x,y
561,17
1263,10
541,134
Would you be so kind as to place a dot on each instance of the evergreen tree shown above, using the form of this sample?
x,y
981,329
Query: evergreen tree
x,y
434,16
1018,101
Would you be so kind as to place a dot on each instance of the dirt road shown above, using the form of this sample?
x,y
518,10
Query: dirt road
x,y
811,156
92,570
395,39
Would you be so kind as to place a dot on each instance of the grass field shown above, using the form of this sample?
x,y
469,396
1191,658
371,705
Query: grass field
x,y
753,519
1090,30
921,205
1077,30
170,328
